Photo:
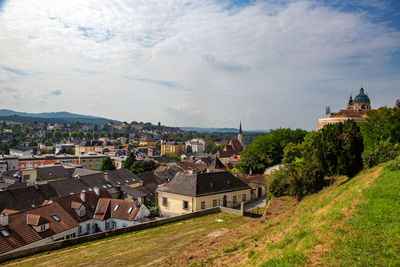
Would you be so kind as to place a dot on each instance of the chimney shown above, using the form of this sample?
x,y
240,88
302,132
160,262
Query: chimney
x,y
106,176
83,196
3,219
96,190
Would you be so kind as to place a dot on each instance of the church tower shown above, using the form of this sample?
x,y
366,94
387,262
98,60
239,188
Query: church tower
x,y
240,134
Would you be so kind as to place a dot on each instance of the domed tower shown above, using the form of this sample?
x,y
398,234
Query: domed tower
x,y
361,101
240,134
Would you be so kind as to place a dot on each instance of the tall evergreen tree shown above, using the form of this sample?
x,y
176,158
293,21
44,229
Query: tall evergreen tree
x,y
129,161
107,165
339,147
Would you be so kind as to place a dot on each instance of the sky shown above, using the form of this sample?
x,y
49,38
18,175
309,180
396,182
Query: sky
x,y
200,63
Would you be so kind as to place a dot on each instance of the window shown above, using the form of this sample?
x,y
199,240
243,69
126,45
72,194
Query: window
x,y
114,224
244,197
5,233
107,225
203,205
88,228
130,210
234,200
79,230
55,217
116,207
42,227
165,201
214,202
185,205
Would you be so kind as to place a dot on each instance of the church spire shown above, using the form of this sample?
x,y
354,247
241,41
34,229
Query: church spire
x,y
240,135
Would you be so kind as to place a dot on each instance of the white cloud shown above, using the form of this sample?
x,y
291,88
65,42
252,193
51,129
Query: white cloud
x,y
193,63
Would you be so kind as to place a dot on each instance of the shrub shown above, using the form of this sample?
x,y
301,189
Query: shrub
x,y
381,152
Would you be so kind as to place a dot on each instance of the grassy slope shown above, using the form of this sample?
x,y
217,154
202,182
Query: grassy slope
x,y
352,222
151,246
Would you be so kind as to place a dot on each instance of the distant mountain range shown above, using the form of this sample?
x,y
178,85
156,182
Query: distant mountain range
x,y
50,117
219,130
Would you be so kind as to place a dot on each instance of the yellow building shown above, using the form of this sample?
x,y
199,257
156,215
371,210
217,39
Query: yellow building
x,y
91,160
172,148
189,192
91,146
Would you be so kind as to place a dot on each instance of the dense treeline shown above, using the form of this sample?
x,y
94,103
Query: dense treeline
x,y
334,150
337,149
267,150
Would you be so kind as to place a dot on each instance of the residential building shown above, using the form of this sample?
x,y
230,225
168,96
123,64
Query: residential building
x,y
35,227
81,207
26,197
11,161
172,148
258,184
45,174
118,213
189,192
91,160
85,147
21,152
34,161
196,145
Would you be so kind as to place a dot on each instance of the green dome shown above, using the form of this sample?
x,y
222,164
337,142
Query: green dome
x,y
361,97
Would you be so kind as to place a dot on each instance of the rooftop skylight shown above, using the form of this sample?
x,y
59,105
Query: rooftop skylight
x,y
5,233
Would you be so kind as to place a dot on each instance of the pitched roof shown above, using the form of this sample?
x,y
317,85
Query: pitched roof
x,y
35,219
169,173
122,177
216,164
68,186
187,165
224,154
91,199
255,179
21,233
201,184
116,208
52,172
27,197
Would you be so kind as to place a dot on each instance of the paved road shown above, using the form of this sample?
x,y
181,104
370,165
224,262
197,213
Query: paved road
x,y
258,203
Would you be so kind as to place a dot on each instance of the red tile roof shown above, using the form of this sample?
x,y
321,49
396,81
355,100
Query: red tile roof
x,y
35,220
107,208
90,203
21,233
